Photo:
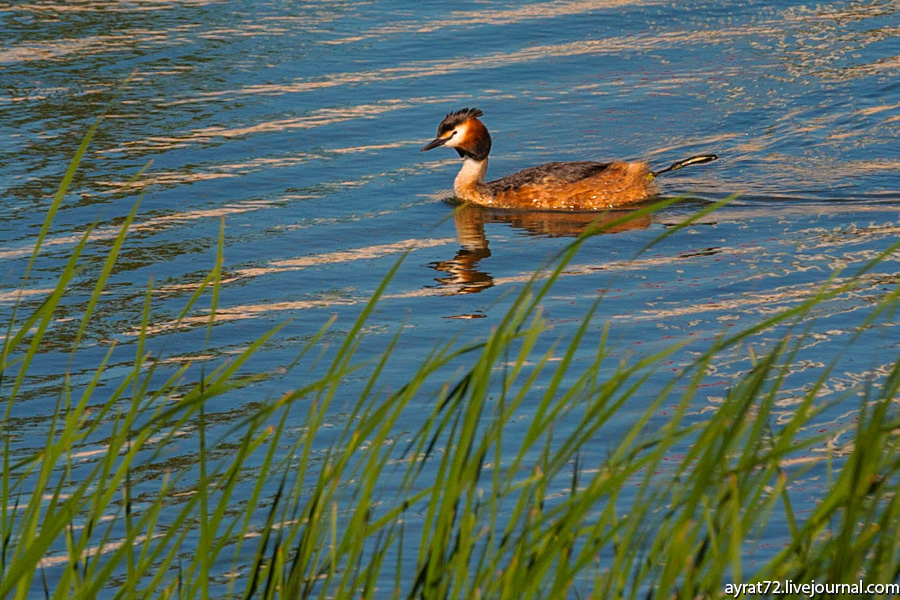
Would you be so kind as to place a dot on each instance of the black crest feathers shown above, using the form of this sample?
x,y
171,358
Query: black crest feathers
x,y
455,118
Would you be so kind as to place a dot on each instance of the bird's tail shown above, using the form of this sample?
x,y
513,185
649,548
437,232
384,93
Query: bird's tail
x,y
694,160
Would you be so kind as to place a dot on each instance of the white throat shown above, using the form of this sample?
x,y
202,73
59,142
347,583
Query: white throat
x,y
470,176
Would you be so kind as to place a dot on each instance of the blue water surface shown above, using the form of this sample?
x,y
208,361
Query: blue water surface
x,y
299,124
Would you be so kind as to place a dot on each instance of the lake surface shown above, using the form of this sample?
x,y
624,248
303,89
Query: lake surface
x,y
300,125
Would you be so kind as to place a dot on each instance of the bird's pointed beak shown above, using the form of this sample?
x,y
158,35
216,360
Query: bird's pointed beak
x,y
434,143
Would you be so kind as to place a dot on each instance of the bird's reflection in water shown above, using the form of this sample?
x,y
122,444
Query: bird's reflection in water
x,y
462,275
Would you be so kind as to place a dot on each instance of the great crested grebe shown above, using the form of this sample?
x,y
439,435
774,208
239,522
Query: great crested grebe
x,y
572,186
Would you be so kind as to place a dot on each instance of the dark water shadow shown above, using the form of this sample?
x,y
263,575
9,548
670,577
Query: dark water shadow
x,y
462,274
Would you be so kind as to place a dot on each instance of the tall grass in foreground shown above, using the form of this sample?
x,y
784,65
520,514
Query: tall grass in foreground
x,y
469,513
